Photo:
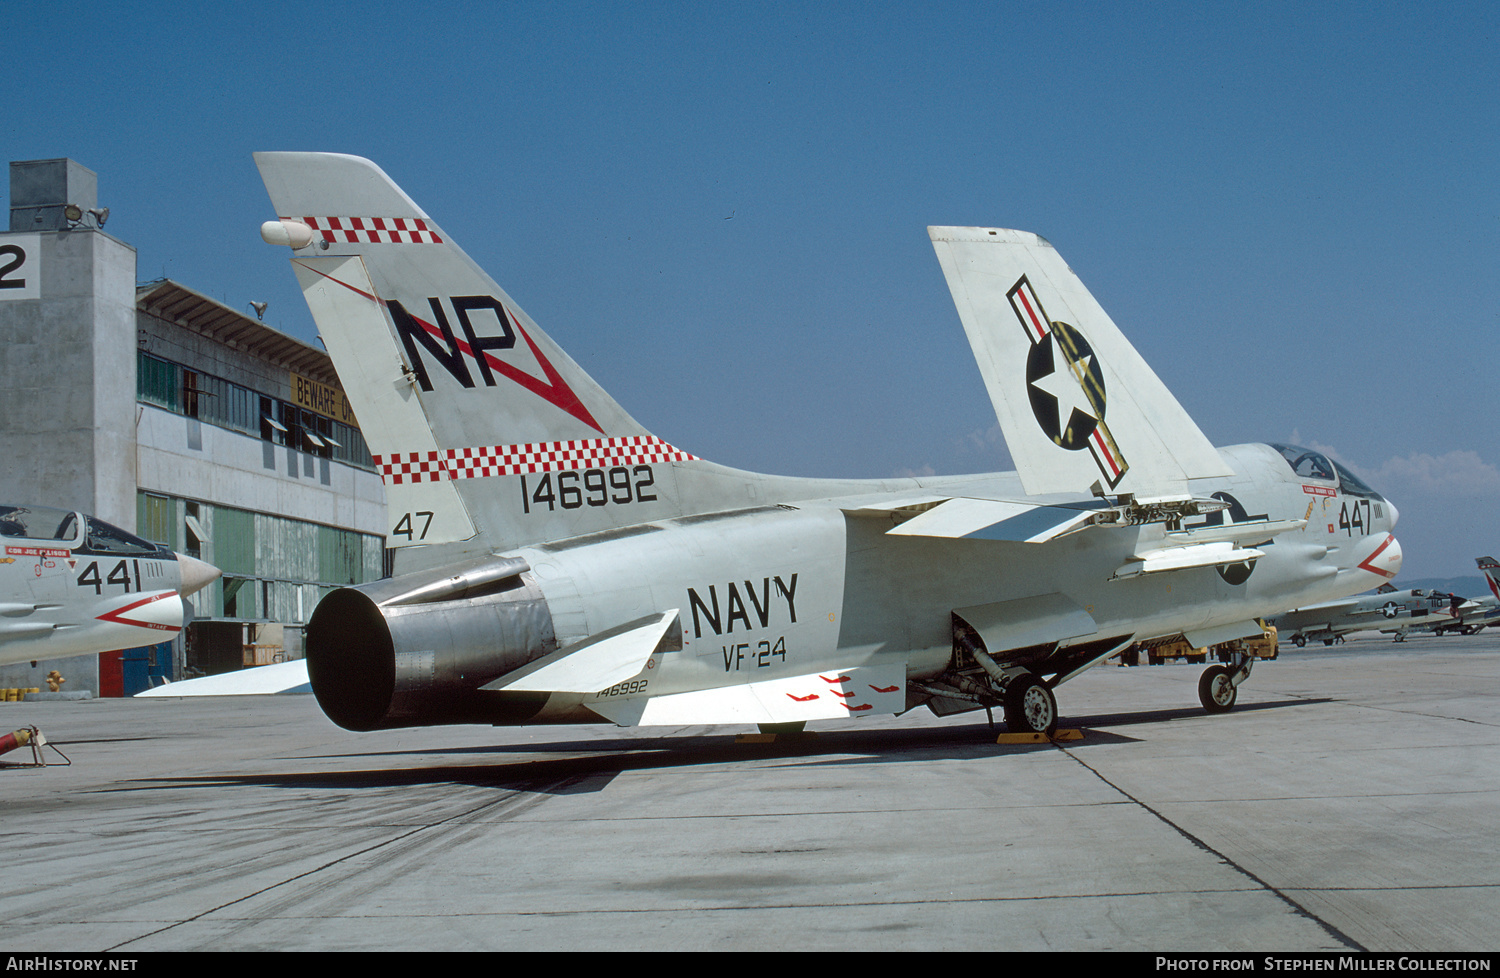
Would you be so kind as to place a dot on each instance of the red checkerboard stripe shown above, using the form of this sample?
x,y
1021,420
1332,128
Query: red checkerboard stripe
x,y
552,456
559,456
374,230
409,467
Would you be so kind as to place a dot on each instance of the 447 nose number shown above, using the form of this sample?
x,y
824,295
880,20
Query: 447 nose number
x,y
1352,520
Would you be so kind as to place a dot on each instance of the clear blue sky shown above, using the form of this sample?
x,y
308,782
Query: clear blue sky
x,y
719,208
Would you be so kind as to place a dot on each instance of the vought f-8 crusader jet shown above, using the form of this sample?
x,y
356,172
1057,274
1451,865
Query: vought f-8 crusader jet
x,y
561,564
72,584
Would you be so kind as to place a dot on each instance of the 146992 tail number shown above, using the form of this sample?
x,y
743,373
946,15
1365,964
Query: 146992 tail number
x,y
576,488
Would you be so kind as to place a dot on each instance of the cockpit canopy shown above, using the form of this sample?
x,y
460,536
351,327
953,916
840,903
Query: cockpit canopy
x,y
62,527
38,523
1308,464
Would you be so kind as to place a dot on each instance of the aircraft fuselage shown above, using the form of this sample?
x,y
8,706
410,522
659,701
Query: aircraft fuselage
x,y
770,593
71,584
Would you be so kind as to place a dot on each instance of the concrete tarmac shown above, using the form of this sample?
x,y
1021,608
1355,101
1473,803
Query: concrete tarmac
x,y
1347,803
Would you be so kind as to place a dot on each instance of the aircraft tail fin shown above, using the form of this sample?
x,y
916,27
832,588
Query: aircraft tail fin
x,y
1077,404
1491,571
452,383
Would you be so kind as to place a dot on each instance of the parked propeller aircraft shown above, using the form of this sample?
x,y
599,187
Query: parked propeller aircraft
x,y
561,564
1387,610
72,584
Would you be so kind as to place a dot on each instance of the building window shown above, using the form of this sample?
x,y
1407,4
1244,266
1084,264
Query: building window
x,y
190,393
157,382
217,401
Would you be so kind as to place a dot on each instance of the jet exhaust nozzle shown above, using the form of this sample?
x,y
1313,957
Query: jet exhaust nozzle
x,y
378,659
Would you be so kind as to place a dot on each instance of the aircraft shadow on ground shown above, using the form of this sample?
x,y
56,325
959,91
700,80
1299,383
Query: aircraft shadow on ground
x,y
590,765
1136,717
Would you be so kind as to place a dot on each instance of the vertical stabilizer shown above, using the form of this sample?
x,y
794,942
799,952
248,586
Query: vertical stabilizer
x,y
1490,569
454,386
1076,402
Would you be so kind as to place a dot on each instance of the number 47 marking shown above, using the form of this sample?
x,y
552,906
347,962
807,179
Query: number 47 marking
x,y
404,527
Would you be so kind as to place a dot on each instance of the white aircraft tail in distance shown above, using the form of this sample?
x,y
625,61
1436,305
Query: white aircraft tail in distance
x,y
561,564
1473,615
72,584
1490,568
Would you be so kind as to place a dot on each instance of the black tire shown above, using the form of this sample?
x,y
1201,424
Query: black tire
x,y
1030,707
1299,640
1215,691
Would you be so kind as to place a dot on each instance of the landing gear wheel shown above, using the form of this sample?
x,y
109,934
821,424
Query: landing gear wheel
x,y
1030,707
1215,691
1299,640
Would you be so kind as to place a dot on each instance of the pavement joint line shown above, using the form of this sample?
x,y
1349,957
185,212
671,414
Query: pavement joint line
x,y
1298,908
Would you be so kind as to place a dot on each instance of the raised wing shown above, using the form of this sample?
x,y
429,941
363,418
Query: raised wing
x,y
1076,403
995,519
1023,522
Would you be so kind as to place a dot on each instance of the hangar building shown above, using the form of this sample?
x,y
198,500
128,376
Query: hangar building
x,y
181,419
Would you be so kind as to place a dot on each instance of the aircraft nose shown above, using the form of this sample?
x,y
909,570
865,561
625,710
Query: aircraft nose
x,y
1384,559
1395,513
196,574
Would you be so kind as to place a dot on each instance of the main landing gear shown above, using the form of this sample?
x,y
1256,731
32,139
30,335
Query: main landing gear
x,y
1218,687
1030,706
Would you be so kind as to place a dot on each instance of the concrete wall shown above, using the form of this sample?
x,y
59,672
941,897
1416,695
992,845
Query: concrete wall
x,y
181,456
67,373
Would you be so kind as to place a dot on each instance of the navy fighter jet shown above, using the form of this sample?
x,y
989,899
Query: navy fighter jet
x,y
1387,610
72,584
561,564
1474,615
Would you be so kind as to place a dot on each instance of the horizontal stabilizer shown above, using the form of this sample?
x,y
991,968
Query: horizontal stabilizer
x,y
864,691
1024,622
282,677
1077,404
598,662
